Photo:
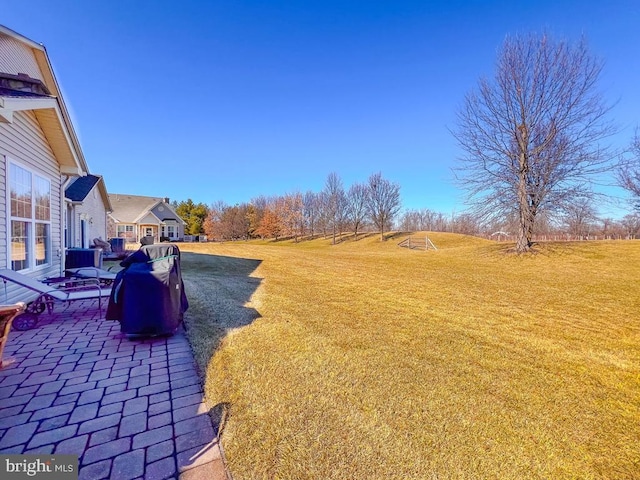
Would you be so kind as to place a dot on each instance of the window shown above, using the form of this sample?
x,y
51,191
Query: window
x,y
30,200
169,231
125,231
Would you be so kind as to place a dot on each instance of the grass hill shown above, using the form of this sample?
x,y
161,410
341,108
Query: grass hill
x,y
366,360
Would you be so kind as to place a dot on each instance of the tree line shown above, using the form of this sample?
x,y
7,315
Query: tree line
x,y
334,211
578,222
330,212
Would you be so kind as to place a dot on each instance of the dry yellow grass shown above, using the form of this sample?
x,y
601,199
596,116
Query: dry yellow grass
x,y
368,361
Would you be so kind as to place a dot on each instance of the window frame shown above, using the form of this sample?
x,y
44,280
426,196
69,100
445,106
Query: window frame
x,y
33,222
169,231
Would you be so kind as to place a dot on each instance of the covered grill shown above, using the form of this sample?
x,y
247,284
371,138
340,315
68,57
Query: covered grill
x,y
148,295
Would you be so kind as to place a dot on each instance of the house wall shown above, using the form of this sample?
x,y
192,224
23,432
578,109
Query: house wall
x,y
24,142
148,220
163,211
111,227
16,57
93,211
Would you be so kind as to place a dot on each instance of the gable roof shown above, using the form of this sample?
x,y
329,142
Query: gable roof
x,y
81,187
50,110
131,208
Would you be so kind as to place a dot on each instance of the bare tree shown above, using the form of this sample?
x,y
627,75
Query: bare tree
x,y
383,201
631,225
311,210
465,223
409,221
580,216
423,220
213,223
335,203
292,215
532,135
628,172
357,206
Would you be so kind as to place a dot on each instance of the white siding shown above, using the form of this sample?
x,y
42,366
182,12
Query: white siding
x,y
16,57
148,219
92,209
24,142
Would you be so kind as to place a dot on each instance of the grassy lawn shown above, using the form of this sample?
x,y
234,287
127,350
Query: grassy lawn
x,y
368,361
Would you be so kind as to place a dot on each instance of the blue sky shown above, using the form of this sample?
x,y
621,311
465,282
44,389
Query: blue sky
x,y
231,99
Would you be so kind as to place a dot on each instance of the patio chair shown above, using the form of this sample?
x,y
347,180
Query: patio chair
x,y
118,249
105,277
7,314
49,293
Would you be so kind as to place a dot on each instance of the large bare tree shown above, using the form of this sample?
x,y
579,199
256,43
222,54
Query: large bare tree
x,y
383,201
532,135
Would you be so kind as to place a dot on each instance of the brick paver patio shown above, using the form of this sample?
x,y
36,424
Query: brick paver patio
x,y
130,409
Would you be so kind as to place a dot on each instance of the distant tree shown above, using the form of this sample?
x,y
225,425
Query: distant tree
x,y
465,223
253,219
408,221
259,205
441,223
324,216
270,224
235,222
532,136
290,209
631,225
335,203
607,225
628,172
311,210
580,216
383,201
419,220
194,215
212,225
357,206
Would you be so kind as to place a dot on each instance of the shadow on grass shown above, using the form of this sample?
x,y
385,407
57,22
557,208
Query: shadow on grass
x,y
394,235
218,289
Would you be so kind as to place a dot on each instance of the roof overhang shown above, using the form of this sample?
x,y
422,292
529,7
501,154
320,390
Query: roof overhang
x,y
51,119
72,161
146,213
102,188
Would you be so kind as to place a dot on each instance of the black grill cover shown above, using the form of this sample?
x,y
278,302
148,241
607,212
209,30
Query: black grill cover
x,y
148,295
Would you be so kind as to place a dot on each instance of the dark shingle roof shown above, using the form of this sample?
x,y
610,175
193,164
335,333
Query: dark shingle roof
x,y
80,188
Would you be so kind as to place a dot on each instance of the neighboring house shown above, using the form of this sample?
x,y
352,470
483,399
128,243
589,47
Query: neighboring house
x,y
39,157
134,216
87,208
